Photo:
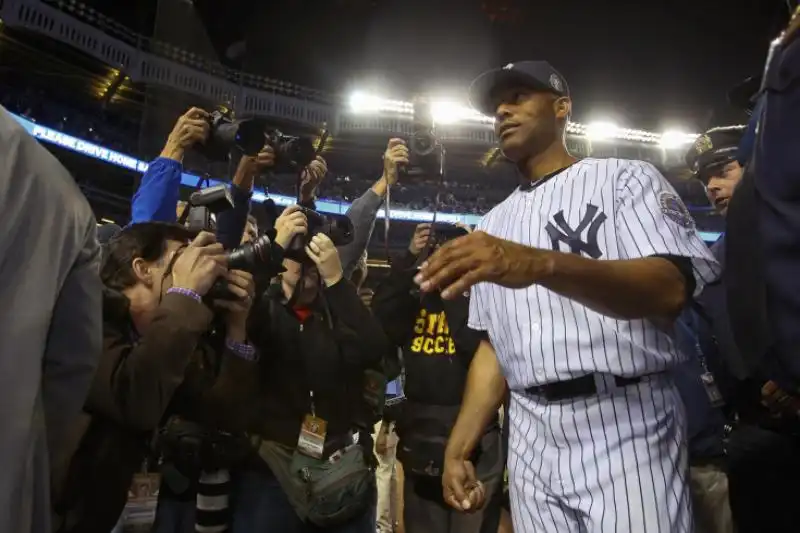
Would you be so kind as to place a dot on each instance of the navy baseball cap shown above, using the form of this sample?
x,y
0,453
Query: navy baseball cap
x,y
717,146
539,75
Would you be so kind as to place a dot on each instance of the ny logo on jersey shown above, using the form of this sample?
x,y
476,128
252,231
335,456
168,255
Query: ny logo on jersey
x,y
562,232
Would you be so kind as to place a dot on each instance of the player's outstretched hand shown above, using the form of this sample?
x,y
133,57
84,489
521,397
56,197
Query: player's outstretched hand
x,y
460,486
477,257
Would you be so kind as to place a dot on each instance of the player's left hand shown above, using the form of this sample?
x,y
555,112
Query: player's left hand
x,y
460,486
477,257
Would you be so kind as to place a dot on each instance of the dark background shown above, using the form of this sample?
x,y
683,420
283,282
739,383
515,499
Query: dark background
x,y
646,64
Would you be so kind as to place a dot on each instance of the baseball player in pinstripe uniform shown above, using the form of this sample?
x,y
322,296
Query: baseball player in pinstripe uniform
x,y
576,278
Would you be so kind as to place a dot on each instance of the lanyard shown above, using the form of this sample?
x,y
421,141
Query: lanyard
x,y
695,339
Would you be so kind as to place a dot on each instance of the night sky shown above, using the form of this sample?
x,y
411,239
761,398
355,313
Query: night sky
x,y
655,65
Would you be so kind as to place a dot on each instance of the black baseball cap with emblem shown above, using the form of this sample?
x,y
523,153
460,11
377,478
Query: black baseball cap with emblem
x,y
714,148
538,75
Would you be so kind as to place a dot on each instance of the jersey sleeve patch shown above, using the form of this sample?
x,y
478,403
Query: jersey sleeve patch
x,y
675,210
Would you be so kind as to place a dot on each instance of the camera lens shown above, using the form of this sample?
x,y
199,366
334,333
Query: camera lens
x,y
249,136
422,144
250,256
300,150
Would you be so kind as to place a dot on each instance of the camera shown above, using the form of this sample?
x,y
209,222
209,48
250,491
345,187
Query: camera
x,y
339,230
425,150
197,216
444,232
291,153
257,255
250,257
226,133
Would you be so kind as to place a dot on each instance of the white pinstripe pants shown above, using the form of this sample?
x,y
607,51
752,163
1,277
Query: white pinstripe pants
x,y
616,462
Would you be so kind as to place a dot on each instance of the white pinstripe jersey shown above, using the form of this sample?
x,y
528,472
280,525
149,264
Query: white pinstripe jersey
x,y
600,208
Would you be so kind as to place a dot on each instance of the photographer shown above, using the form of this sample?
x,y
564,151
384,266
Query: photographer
x,y
156,361
311,414
437,350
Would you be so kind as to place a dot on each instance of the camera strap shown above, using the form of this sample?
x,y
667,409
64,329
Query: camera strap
x,y
386,220
437,202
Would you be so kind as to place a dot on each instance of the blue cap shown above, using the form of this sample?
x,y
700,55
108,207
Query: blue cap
x,y
538,75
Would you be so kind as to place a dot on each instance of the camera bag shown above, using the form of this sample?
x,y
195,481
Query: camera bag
x,y
325,492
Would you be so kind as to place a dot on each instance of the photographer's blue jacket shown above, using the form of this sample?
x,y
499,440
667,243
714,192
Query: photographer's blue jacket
x,y
158,192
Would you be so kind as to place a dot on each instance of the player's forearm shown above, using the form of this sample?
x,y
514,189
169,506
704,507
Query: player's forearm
x,y
650,287
483,396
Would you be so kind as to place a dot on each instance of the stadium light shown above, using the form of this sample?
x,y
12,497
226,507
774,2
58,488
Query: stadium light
x,y
445,112
676,139
361,102
451,112
364,103
601,131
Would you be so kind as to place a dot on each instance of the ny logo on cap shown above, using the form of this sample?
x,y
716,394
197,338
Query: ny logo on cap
x,y
509,66
555,82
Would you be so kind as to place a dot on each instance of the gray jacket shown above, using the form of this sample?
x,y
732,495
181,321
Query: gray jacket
x,y
51,325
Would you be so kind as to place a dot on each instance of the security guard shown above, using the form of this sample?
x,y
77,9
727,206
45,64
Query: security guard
x,y
713,159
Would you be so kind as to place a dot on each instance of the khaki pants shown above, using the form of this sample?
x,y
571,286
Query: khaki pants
x,y
712,510
384,478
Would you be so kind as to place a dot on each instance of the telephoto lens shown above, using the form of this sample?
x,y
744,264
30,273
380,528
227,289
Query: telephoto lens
x,y
226,134
250,257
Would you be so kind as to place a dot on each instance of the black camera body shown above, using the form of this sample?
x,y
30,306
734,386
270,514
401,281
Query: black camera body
x,y
225,134
292,153
338,230
425,150
444,232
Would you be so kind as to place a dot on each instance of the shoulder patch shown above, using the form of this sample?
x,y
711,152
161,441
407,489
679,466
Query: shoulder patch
x,y
675,210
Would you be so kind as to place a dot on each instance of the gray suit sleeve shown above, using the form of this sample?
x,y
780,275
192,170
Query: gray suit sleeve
x,y
362,214
75,339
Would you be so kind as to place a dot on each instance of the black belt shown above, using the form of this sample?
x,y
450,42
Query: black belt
x,y
575,388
